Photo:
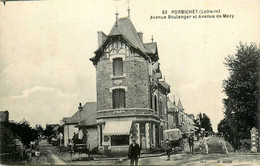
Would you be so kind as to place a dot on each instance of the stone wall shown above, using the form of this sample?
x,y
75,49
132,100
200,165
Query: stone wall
x,y
136,79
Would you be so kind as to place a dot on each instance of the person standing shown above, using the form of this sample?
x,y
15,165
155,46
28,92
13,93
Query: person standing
x,y
168,149
205,141
191,143
134,152
201,145
143,143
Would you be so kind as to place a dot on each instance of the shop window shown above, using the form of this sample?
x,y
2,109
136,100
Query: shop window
x,y
118,98
119,140
118,67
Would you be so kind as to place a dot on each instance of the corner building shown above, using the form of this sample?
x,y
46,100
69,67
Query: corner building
x,y
131,99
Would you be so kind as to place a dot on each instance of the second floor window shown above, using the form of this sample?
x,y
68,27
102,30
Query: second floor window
x,y
117,67
118,98
160,107
155,103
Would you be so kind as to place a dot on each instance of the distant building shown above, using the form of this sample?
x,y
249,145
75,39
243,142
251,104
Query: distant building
x,y
84,123
191,116
7,136
53,127
4,116
69,128
173,114
88,124
64,120
178,118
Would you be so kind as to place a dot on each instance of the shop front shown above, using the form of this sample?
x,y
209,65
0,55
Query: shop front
x,y
116,136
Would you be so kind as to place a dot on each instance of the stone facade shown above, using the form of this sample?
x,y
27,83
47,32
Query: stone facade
x,y
132,97
143,97
135,78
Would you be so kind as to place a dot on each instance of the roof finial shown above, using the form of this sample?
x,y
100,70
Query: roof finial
x,y
152,39
164,78
128,9
116,17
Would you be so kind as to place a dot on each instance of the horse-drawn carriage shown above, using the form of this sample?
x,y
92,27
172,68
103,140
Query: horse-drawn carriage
x,y
78,147
175,138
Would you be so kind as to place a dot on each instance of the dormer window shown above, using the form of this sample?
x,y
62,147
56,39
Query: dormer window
x,y
118,67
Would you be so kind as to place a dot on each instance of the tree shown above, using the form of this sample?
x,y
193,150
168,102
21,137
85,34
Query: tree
x,y
225,128
203,121
206,123
24,131
242,90
48,131
39,129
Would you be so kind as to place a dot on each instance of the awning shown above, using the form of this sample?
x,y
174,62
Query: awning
x,y
117,128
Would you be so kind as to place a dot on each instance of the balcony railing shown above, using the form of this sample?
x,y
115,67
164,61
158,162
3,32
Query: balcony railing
x,y
126,112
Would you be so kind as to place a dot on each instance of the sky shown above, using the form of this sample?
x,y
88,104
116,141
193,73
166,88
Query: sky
x,y
45,48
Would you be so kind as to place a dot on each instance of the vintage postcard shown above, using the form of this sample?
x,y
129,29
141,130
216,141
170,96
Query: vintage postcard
x,y
124,82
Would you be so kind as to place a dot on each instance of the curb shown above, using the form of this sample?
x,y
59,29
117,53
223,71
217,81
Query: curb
x,y
124,158
152,155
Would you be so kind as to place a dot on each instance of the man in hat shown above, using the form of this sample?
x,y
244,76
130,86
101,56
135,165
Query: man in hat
x,y
191,143
168,148
134,152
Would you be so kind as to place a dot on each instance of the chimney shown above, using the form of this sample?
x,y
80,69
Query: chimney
x,y
173,100
79,114
101,37
140,34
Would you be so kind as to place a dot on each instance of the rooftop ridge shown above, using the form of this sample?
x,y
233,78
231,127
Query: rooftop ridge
x,y
122,18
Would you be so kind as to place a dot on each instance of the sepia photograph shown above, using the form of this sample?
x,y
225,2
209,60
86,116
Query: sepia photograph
x,y
130,82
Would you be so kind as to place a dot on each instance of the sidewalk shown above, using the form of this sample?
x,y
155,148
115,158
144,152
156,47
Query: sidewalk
x,y
57,160
125,158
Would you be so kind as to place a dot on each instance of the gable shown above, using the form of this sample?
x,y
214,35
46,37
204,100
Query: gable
x,y
152,51
123,30
88,114
116,45
125,27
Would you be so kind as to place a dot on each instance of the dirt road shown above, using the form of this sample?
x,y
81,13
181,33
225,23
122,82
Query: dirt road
x,y
48,155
